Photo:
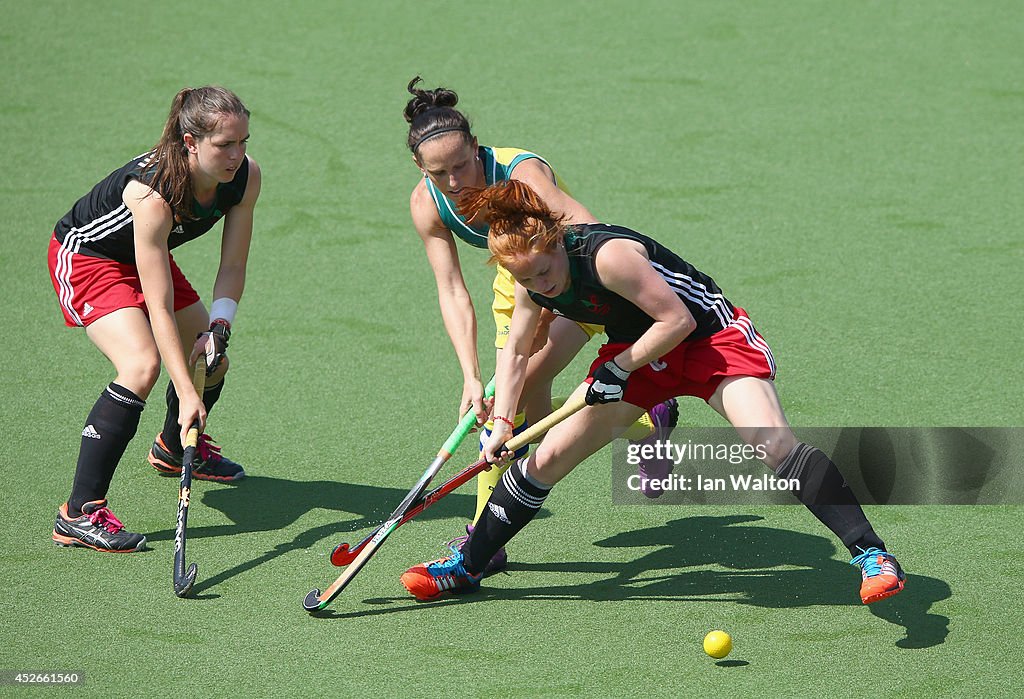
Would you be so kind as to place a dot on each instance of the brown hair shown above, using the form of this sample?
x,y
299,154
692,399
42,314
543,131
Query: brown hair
x,y
521,223
431,113
195,111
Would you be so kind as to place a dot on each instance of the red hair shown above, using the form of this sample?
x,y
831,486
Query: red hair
x,y
521,223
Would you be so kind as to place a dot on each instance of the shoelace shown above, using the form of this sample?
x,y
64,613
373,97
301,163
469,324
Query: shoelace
x,y
457,543
446,561
207,448
871,562
104,518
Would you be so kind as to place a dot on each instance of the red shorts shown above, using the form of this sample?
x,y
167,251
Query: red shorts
x,y
91,287
696,367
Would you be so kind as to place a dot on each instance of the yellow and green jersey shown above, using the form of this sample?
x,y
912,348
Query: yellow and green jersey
x,y
498,166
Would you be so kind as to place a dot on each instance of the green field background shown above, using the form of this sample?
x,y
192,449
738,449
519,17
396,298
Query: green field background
x,y
850,173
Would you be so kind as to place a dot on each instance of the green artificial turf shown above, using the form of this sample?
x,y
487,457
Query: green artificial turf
x,y
848,172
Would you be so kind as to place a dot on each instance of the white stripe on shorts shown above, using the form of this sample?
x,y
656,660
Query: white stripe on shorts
x,y
744,325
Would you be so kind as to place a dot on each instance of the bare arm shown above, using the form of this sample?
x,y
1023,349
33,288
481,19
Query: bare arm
x,y
510,374
541,179
453,297
152,223
234,249
623,267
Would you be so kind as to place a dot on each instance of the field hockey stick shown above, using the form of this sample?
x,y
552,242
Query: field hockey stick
x,y
467,474
317,600
342,555
461,478
313,600
184,580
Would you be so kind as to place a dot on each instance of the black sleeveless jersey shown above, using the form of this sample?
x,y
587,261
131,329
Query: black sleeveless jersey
x,y
588,301
100,224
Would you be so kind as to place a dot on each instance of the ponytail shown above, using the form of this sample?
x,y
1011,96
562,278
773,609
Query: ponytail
x,y
195,111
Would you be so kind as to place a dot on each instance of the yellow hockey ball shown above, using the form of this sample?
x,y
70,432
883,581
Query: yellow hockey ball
x,y
717,644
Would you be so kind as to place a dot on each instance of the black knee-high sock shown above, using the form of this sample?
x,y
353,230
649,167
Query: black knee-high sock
x,y
111,424
171,434
824,492
514,502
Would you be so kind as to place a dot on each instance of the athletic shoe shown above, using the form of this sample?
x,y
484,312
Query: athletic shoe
x,y
97,528
664,417
498,562
881,575
209,464
428,581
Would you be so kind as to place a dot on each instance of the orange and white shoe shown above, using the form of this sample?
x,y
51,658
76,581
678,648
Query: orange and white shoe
x,y
428,581
881,575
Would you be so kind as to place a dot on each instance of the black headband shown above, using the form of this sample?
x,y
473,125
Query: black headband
x,y
438,132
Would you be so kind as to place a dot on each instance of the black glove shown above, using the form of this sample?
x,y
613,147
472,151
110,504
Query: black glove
x,y
608,384
216,349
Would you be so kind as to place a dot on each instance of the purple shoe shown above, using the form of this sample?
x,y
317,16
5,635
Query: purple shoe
x,y
498,562
664,416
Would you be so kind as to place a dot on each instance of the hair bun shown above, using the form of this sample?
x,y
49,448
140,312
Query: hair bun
x,y
425,100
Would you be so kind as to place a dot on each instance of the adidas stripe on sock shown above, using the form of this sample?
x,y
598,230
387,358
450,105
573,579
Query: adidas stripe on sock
x,y
111,424
824,492
515,501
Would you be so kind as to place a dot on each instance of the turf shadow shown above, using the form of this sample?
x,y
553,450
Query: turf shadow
x,y
910,610
265,504
764,567
752,554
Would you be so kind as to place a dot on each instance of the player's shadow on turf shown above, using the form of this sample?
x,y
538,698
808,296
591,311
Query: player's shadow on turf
x,y
265,504
764,567
755,565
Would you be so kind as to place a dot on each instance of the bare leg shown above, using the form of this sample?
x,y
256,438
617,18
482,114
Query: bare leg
x,y
568,443
565,340
126,339
752,406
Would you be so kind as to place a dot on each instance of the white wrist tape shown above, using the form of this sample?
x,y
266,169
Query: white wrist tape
x,y
223,308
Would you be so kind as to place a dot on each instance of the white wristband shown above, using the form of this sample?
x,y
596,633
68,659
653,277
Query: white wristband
x,y
223,308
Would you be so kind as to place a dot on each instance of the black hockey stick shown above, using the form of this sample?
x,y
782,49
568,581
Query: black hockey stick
x,y
184,580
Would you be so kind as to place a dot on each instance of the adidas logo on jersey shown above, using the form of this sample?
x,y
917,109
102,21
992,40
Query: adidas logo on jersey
x,y
87,309
90,432
499,512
